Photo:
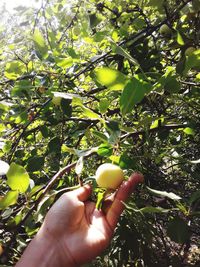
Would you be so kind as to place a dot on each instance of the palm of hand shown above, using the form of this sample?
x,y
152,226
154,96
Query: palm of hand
x,y
83,231
80,231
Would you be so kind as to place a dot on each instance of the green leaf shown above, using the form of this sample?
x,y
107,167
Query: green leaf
x,y
44,131
35,164
103,105
180,66
43,207
120,51
192,61
14,221
17,178
189,131
14,69
105,150
180,39
66,106
100,135
100,198
54,145
112,126
4,167
172,85
127,162
9,199
90,114
40,43
112,79
164,194
4,106
64,62
178,230
132,94
21,88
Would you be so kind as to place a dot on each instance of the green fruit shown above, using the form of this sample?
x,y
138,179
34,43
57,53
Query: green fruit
x,y
109,176
76,30
189,51
165,30
56,100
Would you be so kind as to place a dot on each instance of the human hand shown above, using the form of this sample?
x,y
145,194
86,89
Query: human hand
x,y
78,231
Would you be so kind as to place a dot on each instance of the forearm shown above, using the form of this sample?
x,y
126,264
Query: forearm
x,y
44,252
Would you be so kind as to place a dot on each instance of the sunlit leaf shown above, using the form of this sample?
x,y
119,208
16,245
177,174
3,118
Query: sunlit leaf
x,y
90,114
189,131
105,150
180,39
103,105
21,88
40,43
14,69
17,178
100,198
64,62
164,194
111,78
9,199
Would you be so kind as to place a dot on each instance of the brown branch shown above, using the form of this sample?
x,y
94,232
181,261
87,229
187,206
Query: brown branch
x,y
157,129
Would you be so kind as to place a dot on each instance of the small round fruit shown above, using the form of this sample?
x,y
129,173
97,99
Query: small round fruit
x,y
56,100
76,30
109,176
165,30
189,51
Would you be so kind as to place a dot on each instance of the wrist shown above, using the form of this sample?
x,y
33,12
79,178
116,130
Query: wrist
x,y
45,251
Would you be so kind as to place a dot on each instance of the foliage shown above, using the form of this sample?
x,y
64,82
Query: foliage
x,y
126,93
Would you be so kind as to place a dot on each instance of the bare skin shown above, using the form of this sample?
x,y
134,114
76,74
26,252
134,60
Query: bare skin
x,y
74,232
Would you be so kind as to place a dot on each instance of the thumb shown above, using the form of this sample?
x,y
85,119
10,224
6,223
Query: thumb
x,y
83,192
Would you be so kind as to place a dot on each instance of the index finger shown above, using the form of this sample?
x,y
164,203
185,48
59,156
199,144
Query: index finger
x,y
122,195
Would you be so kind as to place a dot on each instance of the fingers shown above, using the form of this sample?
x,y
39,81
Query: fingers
x,y
83,192
128,187
122,195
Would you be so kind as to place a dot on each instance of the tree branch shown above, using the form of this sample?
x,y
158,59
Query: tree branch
x,y
157,129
